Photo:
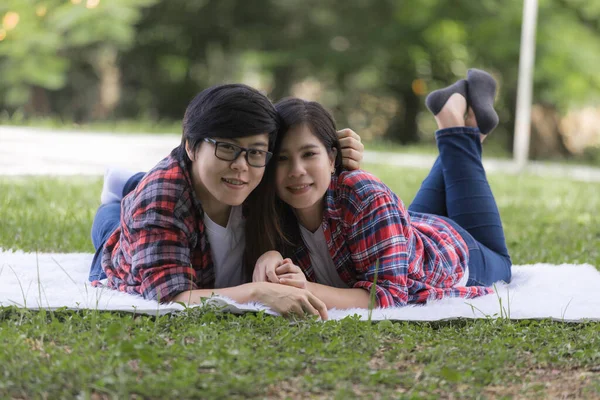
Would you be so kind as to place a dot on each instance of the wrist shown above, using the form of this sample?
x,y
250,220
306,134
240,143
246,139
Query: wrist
x,y
271,254
276,255
254,290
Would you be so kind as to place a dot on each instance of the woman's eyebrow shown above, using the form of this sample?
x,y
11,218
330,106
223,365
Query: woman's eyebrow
x,y
305,147
237,142
259,144
308,146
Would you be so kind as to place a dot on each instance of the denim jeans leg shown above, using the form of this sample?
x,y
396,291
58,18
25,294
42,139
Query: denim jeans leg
x,y
106,221
431,197
485,266
471,204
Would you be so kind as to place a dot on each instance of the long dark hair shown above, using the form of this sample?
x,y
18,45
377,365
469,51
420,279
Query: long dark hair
x,y
272,224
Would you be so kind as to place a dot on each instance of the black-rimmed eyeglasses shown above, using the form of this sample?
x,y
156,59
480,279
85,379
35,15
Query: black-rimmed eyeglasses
x,y
230,152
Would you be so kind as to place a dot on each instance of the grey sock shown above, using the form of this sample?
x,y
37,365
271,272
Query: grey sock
x,y
482,93
436,100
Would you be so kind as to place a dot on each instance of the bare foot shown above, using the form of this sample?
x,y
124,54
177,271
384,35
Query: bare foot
x,y
453,112
471,121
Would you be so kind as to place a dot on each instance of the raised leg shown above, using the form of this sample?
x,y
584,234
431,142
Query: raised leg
x,y
469,198
431,197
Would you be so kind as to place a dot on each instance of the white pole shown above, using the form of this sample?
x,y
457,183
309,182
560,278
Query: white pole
x,y
525,85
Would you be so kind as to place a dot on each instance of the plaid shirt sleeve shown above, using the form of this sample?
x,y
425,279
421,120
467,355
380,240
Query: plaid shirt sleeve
x,y
161,258
150,254
378,232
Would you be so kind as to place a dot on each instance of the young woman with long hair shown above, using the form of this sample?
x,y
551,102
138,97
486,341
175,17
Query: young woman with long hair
x,y
341,229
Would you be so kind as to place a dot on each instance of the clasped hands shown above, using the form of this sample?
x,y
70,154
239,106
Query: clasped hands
x,y
284,287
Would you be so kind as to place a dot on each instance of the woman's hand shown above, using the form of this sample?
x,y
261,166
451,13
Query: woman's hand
x,y
288,300
291,275
352,148
264,269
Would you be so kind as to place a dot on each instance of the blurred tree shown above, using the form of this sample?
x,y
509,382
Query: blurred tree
x,y
367,60
356,47
395,48
180,47
46,46
567,53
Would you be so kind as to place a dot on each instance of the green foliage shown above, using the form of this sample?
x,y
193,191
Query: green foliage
x,y
371,62
567,73
48,37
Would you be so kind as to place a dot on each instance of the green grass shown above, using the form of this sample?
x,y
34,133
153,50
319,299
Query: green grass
x,y
48,214
203,354
494,147
199,354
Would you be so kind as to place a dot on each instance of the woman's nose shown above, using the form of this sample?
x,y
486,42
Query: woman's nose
x,y
297,168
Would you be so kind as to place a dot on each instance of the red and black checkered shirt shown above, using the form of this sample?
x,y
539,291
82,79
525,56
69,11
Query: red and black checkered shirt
x,y
160,248
421,256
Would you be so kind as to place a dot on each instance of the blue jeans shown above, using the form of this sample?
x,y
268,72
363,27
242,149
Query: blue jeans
x,y
106,221
457,190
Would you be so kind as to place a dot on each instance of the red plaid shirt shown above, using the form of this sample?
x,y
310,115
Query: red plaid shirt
x,y
421,256
160,248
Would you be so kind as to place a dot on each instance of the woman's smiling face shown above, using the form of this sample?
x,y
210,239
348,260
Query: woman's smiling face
x,y
219,183
303,171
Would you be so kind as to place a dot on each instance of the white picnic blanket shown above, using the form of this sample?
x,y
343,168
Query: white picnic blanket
x,y
566,292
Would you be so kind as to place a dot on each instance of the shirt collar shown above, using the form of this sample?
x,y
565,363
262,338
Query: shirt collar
x,y
185,168
332,209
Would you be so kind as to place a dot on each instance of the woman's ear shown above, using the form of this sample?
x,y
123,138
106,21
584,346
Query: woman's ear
x,y
332,158
189,151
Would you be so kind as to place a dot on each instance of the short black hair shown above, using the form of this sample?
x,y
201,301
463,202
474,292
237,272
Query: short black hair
x,y
228,111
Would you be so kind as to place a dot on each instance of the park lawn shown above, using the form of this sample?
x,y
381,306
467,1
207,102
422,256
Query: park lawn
x,y
200,353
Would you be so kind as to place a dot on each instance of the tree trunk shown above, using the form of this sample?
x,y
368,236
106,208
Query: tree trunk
x,y
547,140
38,103
282,82
404,128
109,87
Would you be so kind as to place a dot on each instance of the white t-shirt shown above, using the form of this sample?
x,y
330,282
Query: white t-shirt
x,y
320,258
464,279
227,248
